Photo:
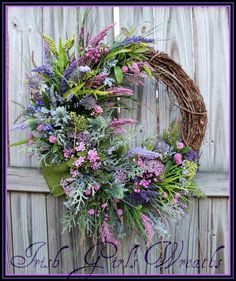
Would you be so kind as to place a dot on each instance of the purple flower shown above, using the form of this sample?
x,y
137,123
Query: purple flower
x,y
137,39
191,155
88,102
120,176
67,73
152,166
91,212
84,69
143,152
80,147
67,152
162,147
44,70
19,126
79,161
135,199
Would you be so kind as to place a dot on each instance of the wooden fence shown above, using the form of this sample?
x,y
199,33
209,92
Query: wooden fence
x,y
197,38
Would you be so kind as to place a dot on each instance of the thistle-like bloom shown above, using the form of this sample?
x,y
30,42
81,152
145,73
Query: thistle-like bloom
x,y
191,155
120,91
94,41
116,124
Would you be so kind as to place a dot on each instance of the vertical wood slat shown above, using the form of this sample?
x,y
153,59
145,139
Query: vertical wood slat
x,y
213,233
10,268
24,25
28,227
211,59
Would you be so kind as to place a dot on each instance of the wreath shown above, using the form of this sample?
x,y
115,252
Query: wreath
x,y
77,136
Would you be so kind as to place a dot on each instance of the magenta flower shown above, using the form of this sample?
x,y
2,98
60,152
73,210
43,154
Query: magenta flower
x,y
134,68
144,183
116,124
119,212
79,161
179,145
91,212
178,158
52,139
120,91
74,173
67,152
88,192
97,110
104,205
80,147
94,159
40,127
125,69
96,186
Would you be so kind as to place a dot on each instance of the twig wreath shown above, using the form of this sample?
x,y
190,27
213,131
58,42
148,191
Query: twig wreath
x,y
110,187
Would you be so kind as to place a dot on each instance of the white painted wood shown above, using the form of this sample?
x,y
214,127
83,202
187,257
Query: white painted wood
x,y
28,227
214,233
211,59
24,25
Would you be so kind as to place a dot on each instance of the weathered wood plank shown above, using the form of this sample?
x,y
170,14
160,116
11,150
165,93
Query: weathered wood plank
x,y
29,229
31,180
185,234
173,35
10,254
211,59
213,233
24,25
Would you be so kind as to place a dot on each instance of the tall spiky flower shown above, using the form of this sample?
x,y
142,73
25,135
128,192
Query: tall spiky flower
x,y
94,41
107,235
148,228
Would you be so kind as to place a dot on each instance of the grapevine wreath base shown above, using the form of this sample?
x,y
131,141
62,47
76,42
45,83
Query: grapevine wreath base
x,y
78,137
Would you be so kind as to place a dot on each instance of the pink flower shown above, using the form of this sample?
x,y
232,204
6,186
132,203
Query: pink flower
x,y
88,192
79,161
40,127
179,145
80,147
119,212
96,186
93,155
67,152
134,68
144,183
106,217
91,212
74,173
104,205
178,158
137,190
175,200
97,110
148,228
52,139
125,69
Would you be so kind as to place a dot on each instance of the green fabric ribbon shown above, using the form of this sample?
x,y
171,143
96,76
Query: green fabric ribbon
x,y
53,175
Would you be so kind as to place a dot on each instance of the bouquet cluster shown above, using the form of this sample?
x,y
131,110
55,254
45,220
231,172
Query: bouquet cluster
x,y
77,138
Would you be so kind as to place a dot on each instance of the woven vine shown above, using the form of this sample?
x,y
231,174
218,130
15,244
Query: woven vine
x,y
187,94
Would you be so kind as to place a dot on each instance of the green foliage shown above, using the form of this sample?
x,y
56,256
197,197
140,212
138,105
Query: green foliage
x,y
51,44
68,44
62,58
118,74
116,190
79,122
19,143
74,90
53,175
